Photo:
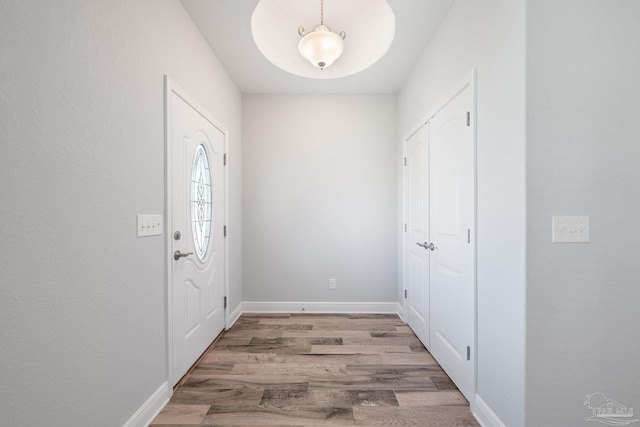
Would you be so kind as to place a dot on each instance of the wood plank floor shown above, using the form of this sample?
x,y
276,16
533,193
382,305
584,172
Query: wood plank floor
x,y
317,370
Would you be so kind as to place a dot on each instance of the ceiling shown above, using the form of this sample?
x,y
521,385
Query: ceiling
x,y
226,24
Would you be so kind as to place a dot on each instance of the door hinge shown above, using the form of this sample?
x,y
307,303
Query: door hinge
x,y
224,231
468,353
405,294
405,161
225,302
468,235
405,228
224,159
468,118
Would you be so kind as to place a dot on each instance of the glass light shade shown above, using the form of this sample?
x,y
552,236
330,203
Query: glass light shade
x,y
321,46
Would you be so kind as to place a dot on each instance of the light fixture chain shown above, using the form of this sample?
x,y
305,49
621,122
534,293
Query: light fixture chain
x,y
321,12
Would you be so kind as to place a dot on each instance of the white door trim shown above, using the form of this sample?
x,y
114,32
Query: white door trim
x,y
171,87
469,80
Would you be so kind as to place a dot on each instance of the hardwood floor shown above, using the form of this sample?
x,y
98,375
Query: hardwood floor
x,y
317,370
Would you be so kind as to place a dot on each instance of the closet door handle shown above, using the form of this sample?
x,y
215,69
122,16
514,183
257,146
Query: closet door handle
x,y
426,245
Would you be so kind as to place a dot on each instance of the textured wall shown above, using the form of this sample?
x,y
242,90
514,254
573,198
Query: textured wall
x,y
583,148
488,35
82,300
319,198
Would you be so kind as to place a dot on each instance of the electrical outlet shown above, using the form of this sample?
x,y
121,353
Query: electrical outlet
x,y
149,225
570,229
332,284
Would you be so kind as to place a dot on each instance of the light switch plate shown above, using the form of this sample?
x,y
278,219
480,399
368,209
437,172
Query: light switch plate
x,y
149,225
570,229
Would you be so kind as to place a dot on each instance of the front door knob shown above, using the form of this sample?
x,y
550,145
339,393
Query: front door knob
x,y
177,255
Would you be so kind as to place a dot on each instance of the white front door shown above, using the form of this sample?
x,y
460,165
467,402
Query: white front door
x,y
196,226
417,232
452,232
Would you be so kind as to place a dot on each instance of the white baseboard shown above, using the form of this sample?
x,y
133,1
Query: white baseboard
x,y
483,413
319,307
234,315
151,408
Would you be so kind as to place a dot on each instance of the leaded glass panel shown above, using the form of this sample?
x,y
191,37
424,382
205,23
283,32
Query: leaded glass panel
x,y
201,211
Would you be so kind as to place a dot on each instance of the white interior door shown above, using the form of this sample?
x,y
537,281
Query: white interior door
x,y
197,251
452,231
417,232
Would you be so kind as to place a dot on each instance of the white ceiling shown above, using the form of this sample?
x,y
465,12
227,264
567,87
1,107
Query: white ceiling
x,y
226,24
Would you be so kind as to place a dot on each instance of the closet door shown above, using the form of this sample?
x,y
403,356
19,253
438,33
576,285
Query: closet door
x,y
452,232
417,232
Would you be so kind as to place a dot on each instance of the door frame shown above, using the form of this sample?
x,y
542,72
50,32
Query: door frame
x,y
469,80
171,87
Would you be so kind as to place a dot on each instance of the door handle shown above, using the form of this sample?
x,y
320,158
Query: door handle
x,y
426,245
177,255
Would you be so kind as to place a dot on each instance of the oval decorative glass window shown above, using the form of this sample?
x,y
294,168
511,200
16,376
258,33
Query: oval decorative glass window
x,y
201,202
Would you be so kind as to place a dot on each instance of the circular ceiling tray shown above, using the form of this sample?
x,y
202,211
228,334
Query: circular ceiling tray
x,y
369,24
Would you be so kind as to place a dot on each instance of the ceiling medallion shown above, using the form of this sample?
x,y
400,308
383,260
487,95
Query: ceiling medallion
x,y
371,26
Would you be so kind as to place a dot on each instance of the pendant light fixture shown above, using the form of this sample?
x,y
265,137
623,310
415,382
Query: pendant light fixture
x,y
321,46
370,23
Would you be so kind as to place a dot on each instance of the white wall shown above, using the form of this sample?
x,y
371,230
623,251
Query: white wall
x,y
319,198
489,35
82,300
583,150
